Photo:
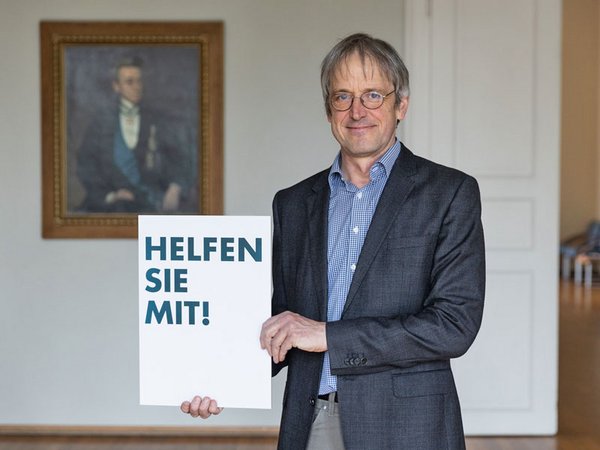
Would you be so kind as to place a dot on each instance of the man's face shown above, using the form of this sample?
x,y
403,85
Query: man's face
x,y
364,132
129,83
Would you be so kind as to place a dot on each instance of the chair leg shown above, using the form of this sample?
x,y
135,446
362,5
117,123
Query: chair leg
x,y
578,271
588,274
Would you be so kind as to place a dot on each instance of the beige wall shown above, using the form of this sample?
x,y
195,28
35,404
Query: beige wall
x,y
580,198
68,327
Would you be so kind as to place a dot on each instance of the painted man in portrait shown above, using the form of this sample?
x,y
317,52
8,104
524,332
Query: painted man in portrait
x,y
130,160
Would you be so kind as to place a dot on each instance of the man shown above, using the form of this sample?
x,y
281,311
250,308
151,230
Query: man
x,y
378,276
129,160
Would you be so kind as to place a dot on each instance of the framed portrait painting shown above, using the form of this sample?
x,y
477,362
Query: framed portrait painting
x,y
132,123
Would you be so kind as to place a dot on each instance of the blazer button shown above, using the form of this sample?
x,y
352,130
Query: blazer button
x,y
312,401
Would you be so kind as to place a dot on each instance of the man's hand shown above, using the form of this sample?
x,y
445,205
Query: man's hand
x,y
171,198
201,407
284,331
120,195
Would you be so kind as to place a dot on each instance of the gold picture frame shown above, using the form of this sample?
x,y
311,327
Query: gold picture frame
x,y
95,182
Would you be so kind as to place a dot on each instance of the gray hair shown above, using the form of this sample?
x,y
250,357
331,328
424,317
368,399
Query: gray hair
x,y
378,51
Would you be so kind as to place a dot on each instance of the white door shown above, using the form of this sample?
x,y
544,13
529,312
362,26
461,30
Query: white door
x,y
485,97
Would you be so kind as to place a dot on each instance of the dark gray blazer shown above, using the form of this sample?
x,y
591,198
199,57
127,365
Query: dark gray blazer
x,y
416,300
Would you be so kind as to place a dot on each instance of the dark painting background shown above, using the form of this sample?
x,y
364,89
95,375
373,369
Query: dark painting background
x,y
171,76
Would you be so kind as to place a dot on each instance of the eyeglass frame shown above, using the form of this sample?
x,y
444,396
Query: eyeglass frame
x,y
362,102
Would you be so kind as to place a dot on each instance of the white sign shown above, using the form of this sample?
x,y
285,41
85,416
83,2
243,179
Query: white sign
x,y
204,292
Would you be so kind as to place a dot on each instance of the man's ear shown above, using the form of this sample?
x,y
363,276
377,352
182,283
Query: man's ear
x,y
328,114
401,109
115,87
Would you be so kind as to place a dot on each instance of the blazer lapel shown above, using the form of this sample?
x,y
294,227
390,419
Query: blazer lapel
x,y
317,209
398,186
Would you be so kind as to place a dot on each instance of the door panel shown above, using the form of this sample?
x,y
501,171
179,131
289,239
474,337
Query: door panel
x,y
485,98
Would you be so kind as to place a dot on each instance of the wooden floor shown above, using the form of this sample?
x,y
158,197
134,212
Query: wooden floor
x,y
579,400
579,379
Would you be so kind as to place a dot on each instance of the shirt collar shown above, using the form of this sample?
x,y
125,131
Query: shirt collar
x,y
387,160
128,108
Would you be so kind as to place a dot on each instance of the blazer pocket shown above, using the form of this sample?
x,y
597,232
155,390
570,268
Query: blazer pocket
x,y
422,411
412,256
422,384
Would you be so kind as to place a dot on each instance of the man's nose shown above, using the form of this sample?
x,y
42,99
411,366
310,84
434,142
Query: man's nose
x,y
357,110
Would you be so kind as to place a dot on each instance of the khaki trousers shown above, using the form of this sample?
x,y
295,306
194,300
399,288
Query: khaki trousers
x,y
326,431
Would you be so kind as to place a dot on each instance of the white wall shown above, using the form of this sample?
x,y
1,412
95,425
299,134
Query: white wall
x,y
68,323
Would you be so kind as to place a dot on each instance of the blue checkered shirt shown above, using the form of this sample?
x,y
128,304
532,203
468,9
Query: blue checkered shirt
x,y
350,213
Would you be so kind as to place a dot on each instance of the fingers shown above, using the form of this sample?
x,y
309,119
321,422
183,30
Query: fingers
x,y
273,333
283,348
281,343
213,408
203,407
288,330
279,333
203,410
195,406
269,329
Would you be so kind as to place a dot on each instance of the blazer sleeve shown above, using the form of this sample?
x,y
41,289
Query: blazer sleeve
x,y
278,302
451,313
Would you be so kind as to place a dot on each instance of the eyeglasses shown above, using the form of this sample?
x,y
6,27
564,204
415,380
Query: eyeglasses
x,y
342,101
